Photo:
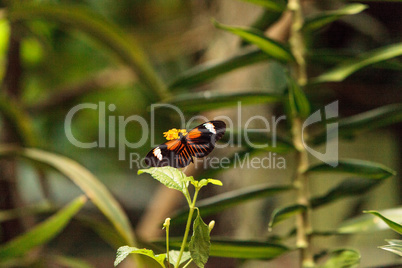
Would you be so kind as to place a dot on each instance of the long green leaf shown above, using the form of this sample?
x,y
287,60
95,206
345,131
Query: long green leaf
x,y
240,249
395,246
369,223
326,17
282,214
197,102
347,68
108,34
206,72
271,47
353,125
329,57
393,225
84,179
220,202
345,258
272,5
42,232
348,188
365,169
298,102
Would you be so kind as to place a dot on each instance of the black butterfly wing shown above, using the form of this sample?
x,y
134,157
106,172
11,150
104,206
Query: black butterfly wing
x,y
173,153
202,139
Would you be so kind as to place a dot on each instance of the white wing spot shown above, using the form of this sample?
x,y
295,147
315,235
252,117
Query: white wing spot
x,y
210,127
158,153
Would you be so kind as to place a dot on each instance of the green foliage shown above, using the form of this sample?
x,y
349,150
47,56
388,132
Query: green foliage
x,y
346,258
327,17
200,242
393,225
226,200
209,100
281,214
347,68
270,47
84,179
394,246
104,31
206,72
41,233
171,177
47,24
368,223
124,251
365,169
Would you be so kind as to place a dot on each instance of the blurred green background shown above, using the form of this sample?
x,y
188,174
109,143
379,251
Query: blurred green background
x,y
55,55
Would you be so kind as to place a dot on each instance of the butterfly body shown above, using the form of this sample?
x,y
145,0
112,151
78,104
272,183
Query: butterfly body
x,y
179,153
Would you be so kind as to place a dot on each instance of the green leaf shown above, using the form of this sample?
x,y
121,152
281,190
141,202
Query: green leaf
x,y
369,223
349,67
200,242
329,57
356,124
108,34
273,48
241,249
272,5
326,17
345,258
220,202
246,249
174,255
298,102
351,187
41,233
205,182
197,102
124,251
393,225
84,179
169,176
206,72
365,169
282,214
395,246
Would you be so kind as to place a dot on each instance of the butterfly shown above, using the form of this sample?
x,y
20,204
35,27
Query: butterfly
x,y
179,153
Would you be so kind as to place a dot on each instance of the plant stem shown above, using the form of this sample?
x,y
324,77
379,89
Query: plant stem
x,y
167,244
189,219
303,220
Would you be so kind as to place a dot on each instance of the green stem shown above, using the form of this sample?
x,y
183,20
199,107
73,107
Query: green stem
x,y
167,245
303,220
188,263
189,219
